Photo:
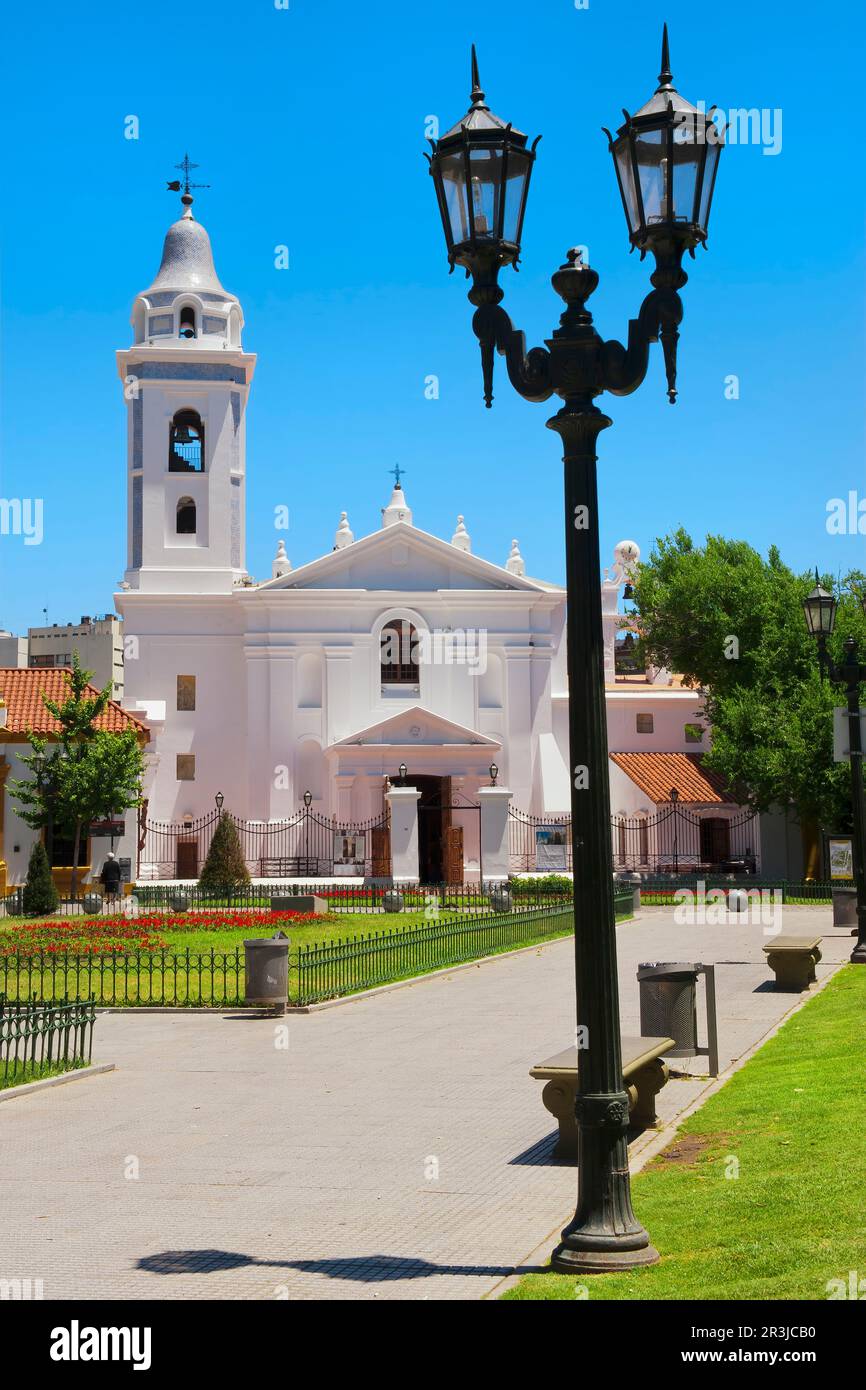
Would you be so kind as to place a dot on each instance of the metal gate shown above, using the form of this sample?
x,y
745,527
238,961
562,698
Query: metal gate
x,y
449,831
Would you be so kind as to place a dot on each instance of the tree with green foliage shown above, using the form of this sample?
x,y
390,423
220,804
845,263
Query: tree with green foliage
x,y
40,894
82,774
225,867
731,622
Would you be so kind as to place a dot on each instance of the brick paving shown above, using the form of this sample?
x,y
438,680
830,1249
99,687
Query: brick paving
x,y
396,1149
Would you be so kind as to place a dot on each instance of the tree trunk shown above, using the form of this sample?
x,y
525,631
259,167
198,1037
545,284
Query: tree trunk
x,y
811,849
73,886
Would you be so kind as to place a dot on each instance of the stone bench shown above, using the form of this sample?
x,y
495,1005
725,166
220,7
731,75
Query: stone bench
x,y
793,959
643,1072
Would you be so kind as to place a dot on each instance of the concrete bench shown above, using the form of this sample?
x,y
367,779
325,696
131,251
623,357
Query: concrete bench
x,y
643,1072
793,959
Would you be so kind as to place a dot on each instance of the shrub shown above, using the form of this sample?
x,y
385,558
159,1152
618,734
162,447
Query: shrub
x,y
40,894
224,868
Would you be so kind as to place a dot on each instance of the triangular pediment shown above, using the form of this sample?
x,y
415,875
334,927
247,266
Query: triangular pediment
x,y
402,558
416,728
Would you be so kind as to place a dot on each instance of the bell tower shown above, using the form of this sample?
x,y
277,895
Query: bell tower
x,y
185,381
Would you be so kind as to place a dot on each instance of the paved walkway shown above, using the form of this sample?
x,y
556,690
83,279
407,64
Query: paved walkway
x,y
396,1149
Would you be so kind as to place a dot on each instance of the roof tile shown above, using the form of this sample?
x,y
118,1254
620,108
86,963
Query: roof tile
x,y
22,687
657,773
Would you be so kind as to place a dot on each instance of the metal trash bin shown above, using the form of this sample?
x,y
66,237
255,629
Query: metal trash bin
x,y
668,1003
266,961
844,907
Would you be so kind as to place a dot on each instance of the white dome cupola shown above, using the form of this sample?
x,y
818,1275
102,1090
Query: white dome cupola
x,y
186,304
398,508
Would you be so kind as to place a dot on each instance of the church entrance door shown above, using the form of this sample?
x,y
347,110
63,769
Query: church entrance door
x,y
187,858
441,829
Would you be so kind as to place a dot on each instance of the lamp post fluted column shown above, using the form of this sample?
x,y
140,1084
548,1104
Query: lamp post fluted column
x,y
819,609
853,674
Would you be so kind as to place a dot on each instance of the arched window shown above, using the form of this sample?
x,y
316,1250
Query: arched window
x,y
398,653
186,443
187,322
186,517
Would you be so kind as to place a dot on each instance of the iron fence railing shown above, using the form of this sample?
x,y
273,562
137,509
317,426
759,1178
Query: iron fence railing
x,y
358,898
662,889
321,970
36,1036
674,840
307,844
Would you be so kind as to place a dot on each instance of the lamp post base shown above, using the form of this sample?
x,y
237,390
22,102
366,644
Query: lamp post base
x,y
858,955
566,1260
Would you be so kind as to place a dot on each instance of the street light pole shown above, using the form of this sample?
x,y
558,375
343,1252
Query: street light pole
x,y
481,170
819,608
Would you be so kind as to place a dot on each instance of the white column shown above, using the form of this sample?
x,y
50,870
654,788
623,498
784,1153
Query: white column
x,y
495,862
404,834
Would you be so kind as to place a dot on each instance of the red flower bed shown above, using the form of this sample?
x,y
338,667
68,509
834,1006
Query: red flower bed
x,y
99,936
121,934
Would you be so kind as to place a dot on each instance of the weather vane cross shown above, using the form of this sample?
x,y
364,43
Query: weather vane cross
x,y
398,473
186,166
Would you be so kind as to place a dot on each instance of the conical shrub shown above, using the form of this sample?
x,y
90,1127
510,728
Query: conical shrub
x,y
224,868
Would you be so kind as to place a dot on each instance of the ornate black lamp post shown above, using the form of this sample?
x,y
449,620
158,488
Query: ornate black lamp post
x,y
819,608
665,169
675,801
494,773
308,801
219,799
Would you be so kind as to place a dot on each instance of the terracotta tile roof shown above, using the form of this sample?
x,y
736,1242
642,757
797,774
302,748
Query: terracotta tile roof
x,y
657,773
22,688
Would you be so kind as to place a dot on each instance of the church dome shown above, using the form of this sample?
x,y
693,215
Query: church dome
x,y
187,260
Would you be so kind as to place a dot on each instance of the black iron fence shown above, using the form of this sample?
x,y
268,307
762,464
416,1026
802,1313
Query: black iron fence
x,y
357,898
307,844
37,1036
663,890
672,841
319,971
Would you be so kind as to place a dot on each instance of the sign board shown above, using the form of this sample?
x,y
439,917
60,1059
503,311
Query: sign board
x,y
115,828
840,855
842,735
551,844
350,849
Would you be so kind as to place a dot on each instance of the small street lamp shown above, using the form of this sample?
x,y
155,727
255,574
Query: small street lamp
x,y
665,158
494,773
401,773
219,799
308,801
819,609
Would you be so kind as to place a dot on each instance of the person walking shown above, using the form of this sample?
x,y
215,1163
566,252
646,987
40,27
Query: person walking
x,y
110,876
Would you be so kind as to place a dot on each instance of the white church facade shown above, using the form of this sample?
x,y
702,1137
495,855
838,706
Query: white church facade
x,y
373,688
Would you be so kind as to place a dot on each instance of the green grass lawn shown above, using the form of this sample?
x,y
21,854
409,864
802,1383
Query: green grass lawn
x,y
38,1073
794,1121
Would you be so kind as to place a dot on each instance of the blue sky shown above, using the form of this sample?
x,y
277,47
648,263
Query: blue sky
x,y
309,125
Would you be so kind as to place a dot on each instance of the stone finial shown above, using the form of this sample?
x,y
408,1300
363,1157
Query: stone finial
x,y
398,508
461,537
345,535
515,563
282,564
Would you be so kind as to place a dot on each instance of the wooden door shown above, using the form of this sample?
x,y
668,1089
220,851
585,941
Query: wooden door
x,y
454,854
187,858
380,851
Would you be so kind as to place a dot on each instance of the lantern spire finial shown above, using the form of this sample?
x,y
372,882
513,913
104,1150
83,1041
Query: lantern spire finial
x,y
666,77
476,96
